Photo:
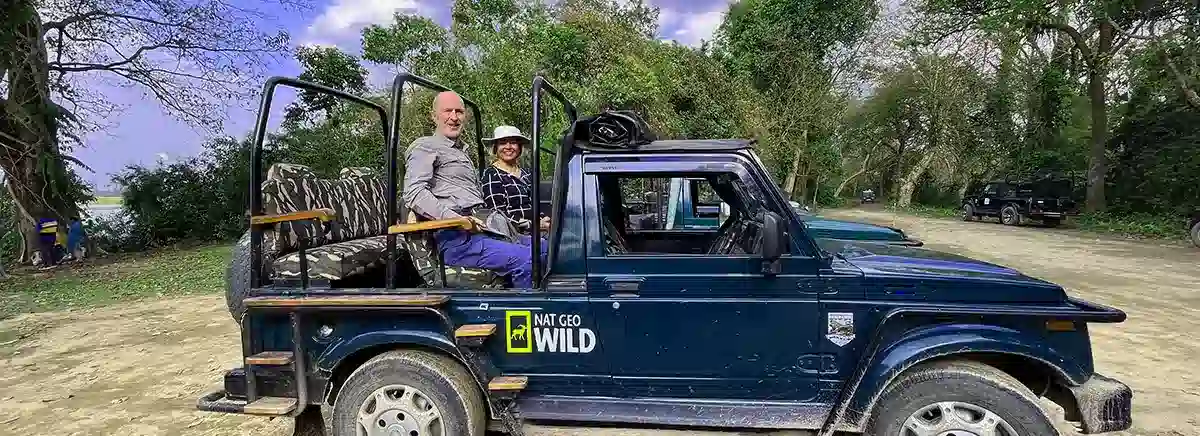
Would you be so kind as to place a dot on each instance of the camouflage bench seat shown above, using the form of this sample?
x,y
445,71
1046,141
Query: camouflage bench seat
x,y
354,243
357,241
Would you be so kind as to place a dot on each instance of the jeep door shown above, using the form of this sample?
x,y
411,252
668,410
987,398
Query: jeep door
x,y
987,202
700,326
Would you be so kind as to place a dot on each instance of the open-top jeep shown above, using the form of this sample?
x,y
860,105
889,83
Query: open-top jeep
x,y
753,326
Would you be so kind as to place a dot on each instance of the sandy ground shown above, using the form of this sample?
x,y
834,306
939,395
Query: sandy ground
x,y
138,370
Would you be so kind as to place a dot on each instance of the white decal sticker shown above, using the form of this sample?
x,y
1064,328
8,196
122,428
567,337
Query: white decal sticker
x,y
548,332
841,328
987,200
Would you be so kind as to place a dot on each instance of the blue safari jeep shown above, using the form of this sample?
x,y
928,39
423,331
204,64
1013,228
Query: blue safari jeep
x,y
756,325
692,204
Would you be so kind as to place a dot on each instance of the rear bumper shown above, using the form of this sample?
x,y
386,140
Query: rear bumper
x,y
1105,405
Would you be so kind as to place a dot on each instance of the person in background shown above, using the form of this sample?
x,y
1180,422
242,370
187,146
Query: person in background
x,y
506,186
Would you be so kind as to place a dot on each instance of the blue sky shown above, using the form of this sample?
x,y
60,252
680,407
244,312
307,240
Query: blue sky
x,y
142,132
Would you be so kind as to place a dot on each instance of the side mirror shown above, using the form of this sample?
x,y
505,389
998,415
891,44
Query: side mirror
x,y
774,240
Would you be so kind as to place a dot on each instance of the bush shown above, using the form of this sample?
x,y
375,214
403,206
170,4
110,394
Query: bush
x,y
199,199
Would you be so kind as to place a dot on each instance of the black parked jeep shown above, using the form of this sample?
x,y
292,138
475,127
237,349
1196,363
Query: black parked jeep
x,y
1194,226
1046,198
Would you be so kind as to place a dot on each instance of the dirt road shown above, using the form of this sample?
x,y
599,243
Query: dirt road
x,y
138,370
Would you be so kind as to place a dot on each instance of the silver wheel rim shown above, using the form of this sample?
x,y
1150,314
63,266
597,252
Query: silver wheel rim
x,y
952,418
966,212
399,410
1008,215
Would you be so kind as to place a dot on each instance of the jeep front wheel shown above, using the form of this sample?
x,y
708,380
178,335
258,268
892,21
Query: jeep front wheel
x,y
968,212
411,393
1010,216
958,398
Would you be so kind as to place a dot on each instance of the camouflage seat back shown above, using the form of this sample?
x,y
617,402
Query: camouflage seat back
x,y
357,197
422,250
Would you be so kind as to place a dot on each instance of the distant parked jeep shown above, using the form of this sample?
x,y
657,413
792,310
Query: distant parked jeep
x,y
1046,198
1194,225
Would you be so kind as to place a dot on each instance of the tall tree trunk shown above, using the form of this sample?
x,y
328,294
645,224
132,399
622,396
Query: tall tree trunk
x,y
908,183
1098,162
789,184
31,158
802,189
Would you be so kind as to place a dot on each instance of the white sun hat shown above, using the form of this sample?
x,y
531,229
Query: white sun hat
x,y
502,132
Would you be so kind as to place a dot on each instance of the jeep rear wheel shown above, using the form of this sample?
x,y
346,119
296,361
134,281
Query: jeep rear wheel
x,y
1009,215
237,278
1196,234
958,398
968,212
410,393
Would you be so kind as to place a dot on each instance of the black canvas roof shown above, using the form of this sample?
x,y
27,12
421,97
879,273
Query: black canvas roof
x,y
677,145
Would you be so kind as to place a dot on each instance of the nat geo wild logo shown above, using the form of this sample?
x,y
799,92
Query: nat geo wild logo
x,y
548,332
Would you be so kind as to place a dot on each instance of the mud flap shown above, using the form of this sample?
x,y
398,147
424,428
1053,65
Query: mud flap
x,y
309,422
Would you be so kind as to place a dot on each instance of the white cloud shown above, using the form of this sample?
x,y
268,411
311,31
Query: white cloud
x,y
690,28
344,18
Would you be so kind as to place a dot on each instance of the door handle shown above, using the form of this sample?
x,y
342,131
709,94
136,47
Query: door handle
x,y
624,286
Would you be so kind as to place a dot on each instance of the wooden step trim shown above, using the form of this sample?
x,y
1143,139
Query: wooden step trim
x,y
508,383
270,406
475,330
347,300
270,358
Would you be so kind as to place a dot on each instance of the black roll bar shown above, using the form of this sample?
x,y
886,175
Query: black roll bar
x,y
393,148
260,133
540,83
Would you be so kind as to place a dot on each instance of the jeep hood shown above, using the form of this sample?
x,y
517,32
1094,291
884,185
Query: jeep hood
x,y
826,228
883,259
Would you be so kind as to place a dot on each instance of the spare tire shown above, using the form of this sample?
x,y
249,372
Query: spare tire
x,y
237,278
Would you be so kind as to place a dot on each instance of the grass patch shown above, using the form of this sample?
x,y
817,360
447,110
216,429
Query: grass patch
x,y
1140,226
107,201
116,278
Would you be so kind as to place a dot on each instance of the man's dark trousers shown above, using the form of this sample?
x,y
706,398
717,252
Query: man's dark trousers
x,y
473,250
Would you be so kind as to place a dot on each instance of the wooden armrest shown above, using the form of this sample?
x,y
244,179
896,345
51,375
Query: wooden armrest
x,y
451,223
319,214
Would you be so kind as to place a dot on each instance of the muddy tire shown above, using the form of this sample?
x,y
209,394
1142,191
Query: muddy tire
x,y
412,392
1010,216
1196,234
968,212
237,278
966,396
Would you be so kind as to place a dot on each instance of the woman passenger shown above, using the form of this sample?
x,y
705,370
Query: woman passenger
x,y
506,186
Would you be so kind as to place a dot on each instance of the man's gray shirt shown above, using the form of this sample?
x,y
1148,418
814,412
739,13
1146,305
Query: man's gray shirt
x,y
439,179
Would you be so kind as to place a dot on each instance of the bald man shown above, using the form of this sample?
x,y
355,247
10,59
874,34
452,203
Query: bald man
x,y
440,183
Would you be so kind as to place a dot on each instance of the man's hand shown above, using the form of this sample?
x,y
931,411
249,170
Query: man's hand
x,y
544,224
478,223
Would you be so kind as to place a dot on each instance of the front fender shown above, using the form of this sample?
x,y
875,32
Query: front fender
x,y
942,340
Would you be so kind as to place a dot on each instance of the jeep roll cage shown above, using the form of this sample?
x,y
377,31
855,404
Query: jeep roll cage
x,y
256,169
570,145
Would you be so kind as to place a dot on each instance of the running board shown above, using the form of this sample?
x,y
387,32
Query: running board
x,y
675,412
473,335
276,358
507,387
219,401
